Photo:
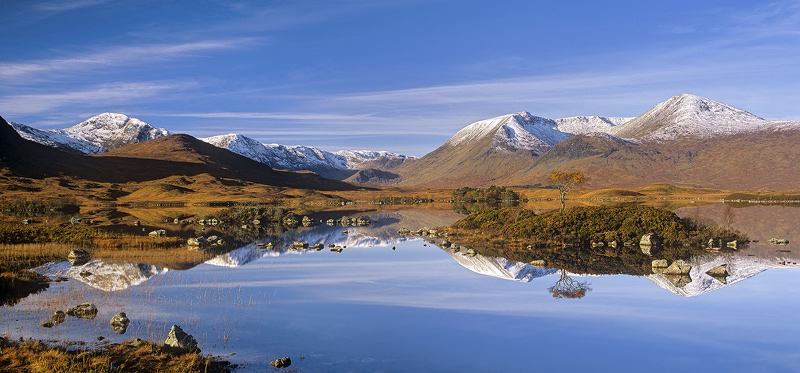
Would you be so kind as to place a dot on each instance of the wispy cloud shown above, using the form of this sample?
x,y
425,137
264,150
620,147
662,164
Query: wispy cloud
x,y
63,6
279,116
128,55
98,96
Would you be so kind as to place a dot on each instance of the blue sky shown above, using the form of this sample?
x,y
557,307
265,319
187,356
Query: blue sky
x,y
386,75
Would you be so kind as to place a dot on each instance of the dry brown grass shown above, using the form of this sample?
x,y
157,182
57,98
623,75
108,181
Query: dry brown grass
x,y
35,357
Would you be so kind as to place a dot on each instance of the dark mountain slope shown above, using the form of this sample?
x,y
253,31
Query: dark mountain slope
x,y
150,160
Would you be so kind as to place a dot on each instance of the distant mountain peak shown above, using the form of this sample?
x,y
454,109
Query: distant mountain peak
x,y
511,132
688,115
336,165
113,130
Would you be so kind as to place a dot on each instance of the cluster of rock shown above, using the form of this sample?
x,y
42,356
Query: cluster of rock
x,y
678,272
302,245
119,323
425,232
717,244
204,242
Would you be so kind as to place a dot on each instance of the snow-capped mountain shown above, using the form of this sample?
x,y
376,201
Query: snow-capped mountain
x,y
512,132
98,134
57,139
337,165
112,130
689,116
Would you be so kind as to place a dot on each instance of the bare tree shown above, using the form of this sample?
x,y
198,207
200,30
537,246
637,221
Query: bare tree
x,y
565,182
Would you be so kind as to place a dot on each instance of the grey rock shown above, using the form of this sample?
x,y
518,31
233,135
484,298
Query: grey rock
x,y
179,339
84,311
660,263
119,323
158,233
718,271
678,267
650,239
538,263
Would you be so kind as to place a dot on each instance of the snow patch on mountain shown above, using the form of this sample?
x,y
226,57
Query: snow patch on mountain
x,y
355,158
57,139
581,125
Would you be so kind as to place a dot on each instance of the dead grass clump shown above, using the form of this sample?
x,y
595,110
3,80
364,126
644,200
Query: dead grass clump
x,y
130,356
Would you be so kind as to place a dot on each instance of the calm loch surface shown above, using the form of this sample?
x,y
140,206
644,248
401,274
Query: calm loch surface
x,y
391,303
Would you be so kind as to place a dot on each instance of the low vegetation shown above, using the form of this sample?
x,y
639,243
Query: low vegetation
x,y
130,356
594,240
582,224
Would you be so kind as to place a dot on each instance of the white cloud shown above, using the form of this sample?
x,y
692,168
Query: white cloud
x,y
128,55
119,93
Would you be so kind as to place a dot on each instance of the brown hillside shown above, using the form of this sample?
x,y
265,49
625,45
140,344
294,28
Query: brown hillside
x,y
755,161
473,164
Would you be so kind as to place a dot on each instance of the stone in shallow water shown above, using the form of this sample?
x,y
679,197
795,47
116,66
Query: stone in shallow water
x,y
282,362
58,317
119,323
84,311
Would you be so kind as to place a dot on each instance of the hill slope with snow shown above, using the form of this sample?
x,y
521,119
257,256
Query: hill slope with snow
x,y
57,139
689,116
337,165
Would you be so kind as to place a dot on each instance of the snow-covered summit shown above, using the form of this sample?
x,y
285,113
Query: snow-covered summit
x,y
512,132
112,130
689,116
95,135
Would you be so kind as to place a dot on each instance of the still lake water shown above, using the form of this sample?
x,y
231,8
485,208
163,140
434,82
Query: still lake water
x,y
389,303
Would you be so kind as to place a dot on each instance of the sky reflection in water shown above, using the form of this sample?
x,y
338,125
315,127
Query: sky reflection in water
x,y
371,308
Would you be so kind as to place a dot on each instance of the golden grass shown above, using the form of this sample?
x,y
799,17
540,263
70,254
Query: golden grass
x,y
35,357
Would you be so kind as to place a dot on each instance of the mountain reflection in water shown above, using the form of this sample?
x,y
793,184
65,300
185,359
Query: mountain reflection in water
x,y
390,303
103,275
